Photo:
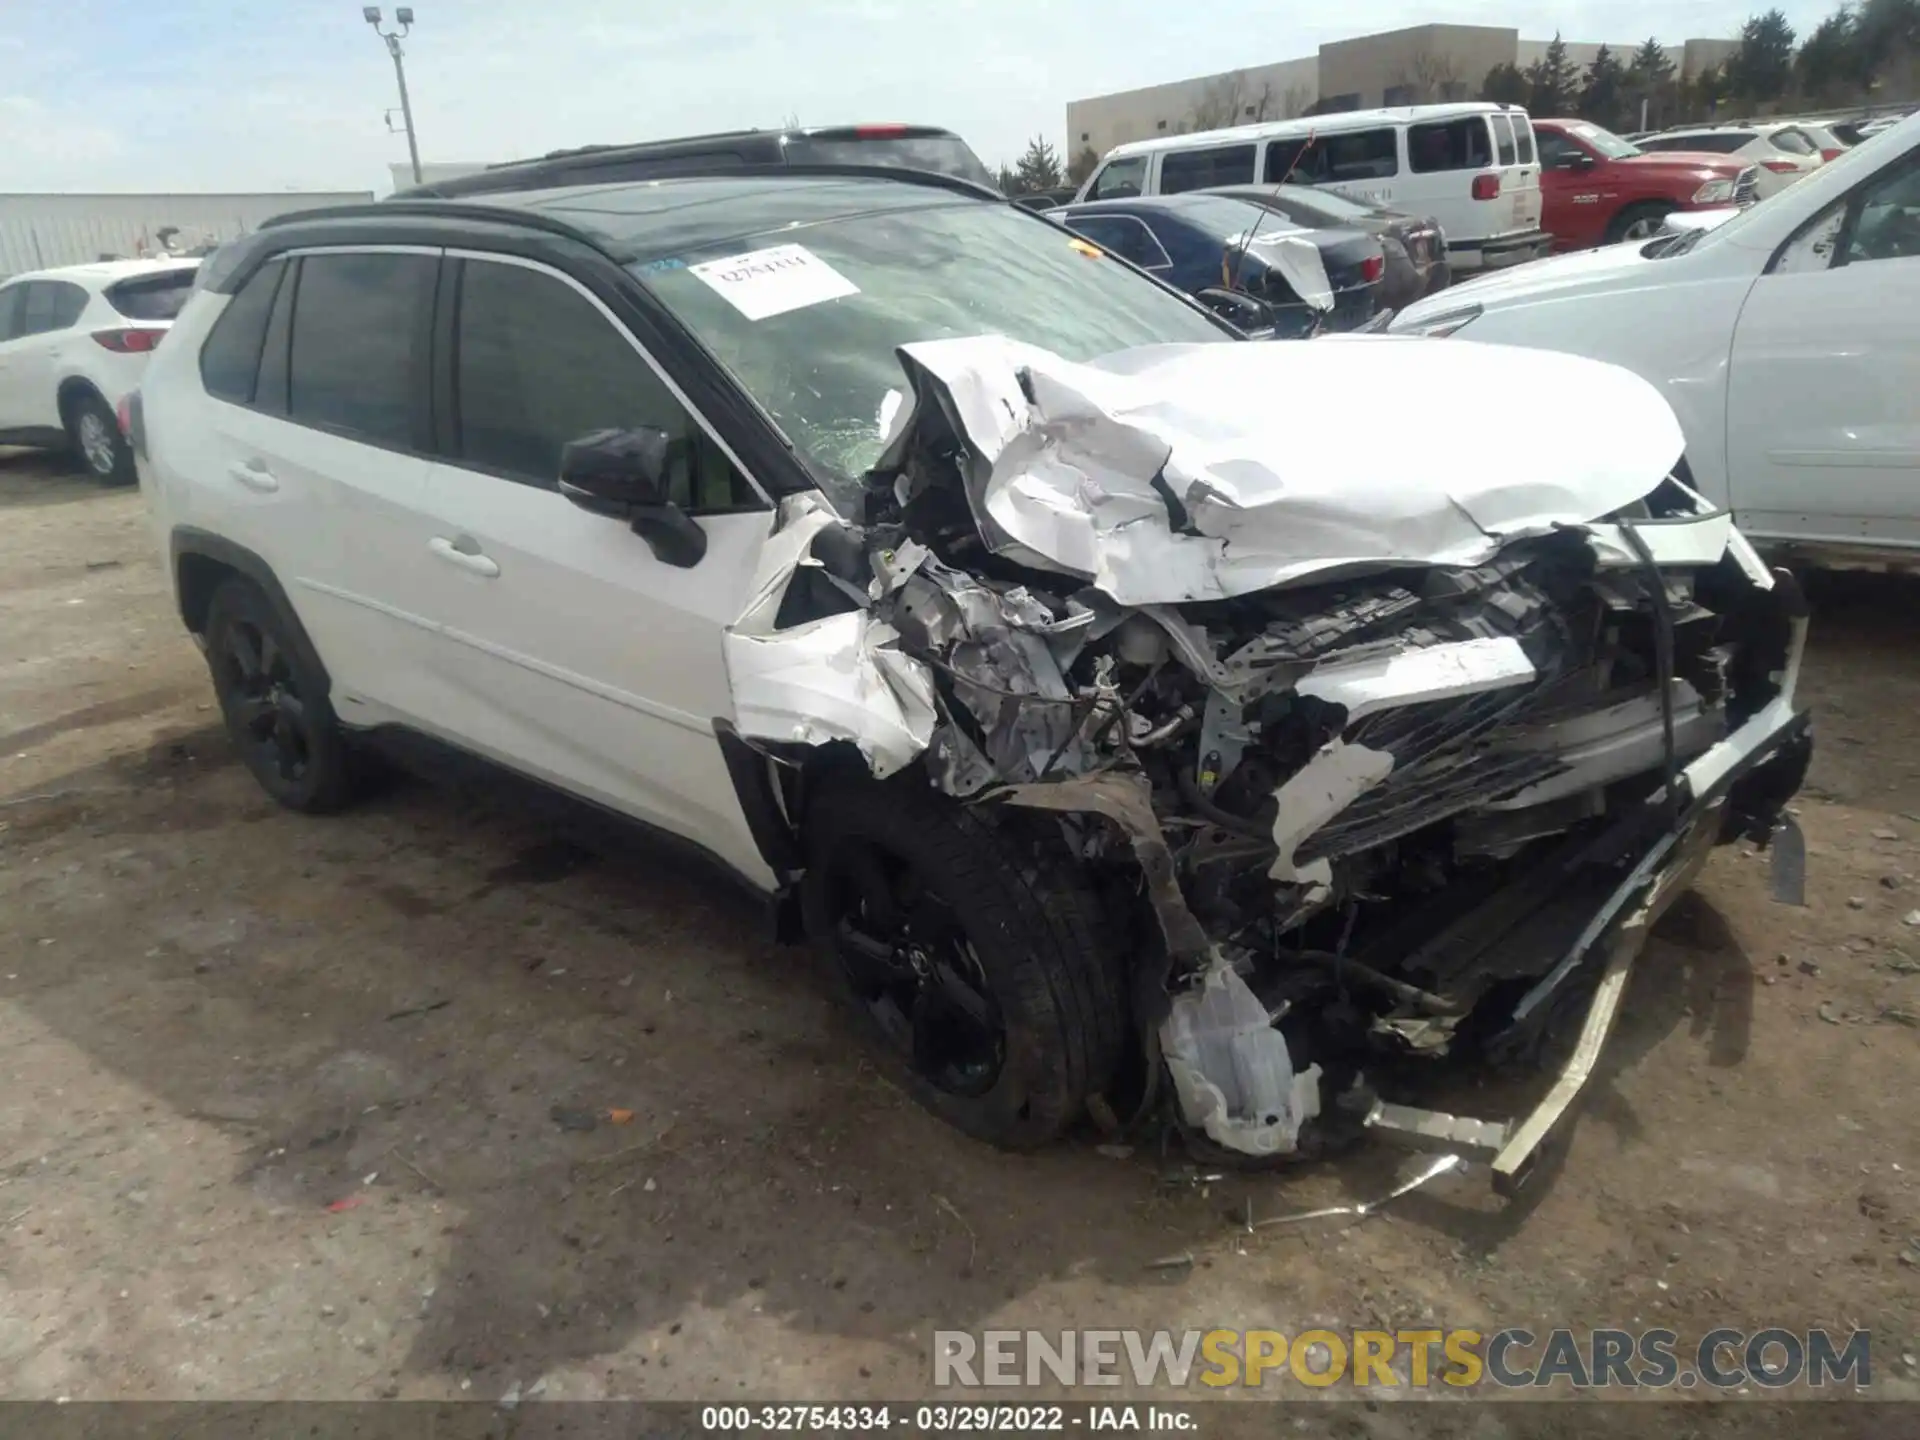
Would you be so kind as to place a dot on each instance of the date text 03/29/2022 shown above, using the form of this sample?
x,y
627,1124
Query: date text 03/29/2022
x,y
937,1419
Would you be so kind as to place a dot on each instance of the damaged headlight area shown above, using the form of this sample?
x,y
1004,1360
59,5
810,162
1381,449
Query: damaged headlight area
x,y
1362,811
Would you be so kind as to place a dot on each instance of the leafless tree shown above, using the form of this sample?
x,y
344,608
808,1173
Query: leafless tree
x,y
1294,103
1232,99
1429,77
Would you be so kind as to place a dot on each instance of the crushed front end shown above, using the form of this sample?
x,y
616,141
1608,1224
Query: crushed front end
x,y
1391,779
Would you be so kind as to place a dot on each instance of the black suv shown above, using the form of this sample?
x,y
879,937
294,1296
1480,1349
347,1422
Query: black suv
x,y
904,147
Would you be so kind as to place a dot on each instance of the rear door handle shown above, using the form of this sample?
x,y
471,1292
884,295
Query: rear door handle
x,y
254,475
471,560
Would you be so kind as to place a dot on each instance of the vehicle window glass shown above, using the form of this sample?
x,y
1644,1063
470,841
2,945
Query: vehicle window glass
x,y
1120,180
50,306
537,365
1502,138
1124,235
1284,161
356,321
1555,149
1363,155
1888,227
1462,144
1182,170
155,297
1523,138
1792,141
11,299
824,372
230,357
1724,143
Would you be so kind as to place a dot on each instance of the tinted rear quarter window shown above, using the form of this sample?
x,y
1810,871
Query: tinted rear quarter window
x,y
159,297
1182,170
1718,144
1461,144
357,322
50,305
538,365
1124,235
1362,155
1523,138
1503,138
10,301
1792,141
230,356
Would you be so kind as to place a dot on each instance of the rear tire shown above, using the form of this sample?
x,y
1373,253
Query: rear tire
x,y
275,703
1638,222
94,433
971,951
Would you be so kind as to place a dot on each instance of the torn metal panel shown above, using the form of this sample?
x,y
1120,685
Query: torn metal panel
x,y
1431,672
1232,1075
1170,473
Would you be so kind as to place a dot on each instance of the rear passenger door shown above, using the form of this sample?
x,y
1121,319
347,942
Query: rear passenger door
x,y
316,448
562,645
46,310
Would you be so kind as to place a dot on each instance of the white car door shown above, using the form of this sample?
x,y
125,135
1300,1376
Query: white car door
x,y
43,310
1823,430
317,459
563,646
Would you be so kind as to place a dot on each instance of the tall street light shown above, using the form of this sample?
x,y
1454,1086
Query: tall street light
x,y
404,16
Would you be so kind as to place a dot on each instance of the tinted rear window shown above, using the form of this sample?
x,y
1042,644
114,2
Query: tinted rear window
x,y
155,297
1203,169
1462,144
941,154
355,322
230,358
1502,138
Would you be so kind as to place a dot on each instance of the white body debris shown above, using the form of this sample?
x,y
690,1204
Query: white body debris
x,y
1231,1070
1288,461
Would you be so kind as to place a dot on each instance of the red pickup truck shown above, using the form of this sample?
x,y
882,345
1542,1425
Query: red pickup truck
x,y
1597,189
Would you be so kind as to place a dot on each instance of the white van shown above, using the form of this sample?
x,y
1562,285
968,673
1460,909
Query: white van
x,y
1471,166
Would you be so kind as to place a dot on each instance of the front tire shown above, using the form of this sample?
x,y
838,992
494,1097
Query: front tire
x,y
275,703
98,445
1638,222
971,951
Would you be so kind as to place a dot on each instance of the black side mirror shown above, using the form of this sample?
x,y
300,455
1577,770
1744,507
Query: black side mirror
x,y
1248,313
622,474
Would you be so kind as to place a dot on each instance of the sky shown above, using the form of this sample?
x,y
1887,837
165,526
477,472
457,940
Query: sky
x,y
166,95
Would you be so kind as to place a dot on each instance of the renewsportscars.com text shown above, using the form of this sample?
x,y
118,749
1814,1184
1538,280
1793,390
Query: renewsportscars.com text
x,y
1513,1358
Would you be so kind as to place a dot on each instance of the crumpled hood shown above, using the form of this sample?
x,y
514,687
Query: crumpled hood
x,y
1196,472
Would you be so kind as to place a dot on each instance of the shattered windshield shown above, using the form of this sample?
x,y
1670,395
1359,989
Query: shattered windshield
x,y
809,318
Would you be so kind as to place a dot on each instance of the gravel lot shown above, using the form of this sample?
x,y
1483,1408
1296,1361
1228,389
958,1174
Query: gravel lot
x,y
278,1114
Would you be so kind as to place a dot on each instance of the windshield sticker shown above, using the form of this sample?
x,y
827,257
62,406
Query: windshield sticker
x,y
773,281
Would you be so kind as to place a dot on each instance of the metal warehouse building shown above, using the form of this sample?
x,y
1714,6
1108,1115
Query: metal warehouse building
x,y
39,231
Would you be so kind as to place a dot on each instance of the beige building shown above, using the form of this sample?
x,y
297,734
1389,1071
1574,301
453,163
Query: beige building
x,y
1415,66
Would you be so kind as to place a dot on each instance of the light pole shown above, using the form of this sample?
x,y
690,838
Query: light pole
x,y
404,16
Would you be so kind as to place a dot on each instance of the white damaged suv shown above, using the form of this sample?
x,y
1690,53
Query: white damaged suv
x,y
1130,738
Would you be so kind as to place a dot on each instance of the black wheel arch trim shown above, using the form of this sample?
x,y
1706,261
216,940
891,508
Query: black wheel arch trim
x,y
188,542
773,834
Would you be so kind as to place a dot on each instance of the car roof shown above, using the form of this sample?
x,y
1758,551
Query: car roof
x,y
1337,122
1706,130
642,220
98,274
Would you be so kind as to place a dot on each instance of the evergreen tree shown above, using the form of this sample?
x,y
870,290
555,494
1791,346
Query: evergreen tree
x,y
1603,94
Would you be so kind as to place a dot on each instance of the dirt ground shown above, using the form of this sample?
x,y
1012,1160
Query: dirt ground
x,y
278,1117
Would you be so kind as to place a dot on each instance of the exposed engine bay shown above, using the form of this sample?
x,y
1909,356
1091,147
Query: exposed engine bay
x,y
1387,765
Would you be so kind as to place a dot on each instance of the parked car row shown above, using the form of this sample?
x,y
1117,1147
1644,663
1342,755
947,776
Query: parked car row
x,y
1129,718
1786,336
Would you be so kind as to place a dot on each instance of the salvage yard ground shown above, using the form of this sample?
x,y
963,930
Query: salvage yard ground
x,y
320,1108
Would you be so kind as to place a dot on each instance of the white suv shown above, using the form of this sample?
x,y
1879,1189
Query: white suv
x,y
73,342
977,597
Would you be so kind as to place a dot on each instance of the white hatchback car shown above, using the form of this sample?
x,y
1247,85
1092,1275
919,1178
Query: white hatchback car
x,y
988,605
74,341
1785,336
1783,153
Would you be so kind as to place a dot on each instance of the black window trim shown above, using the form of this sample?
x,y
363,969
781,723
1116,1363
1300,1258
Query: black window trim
x,y
420,369
445,385
282,268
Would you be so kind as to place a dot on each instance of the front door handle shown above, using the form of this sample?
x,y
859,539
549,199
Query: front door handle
x,y
472,560
254,475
